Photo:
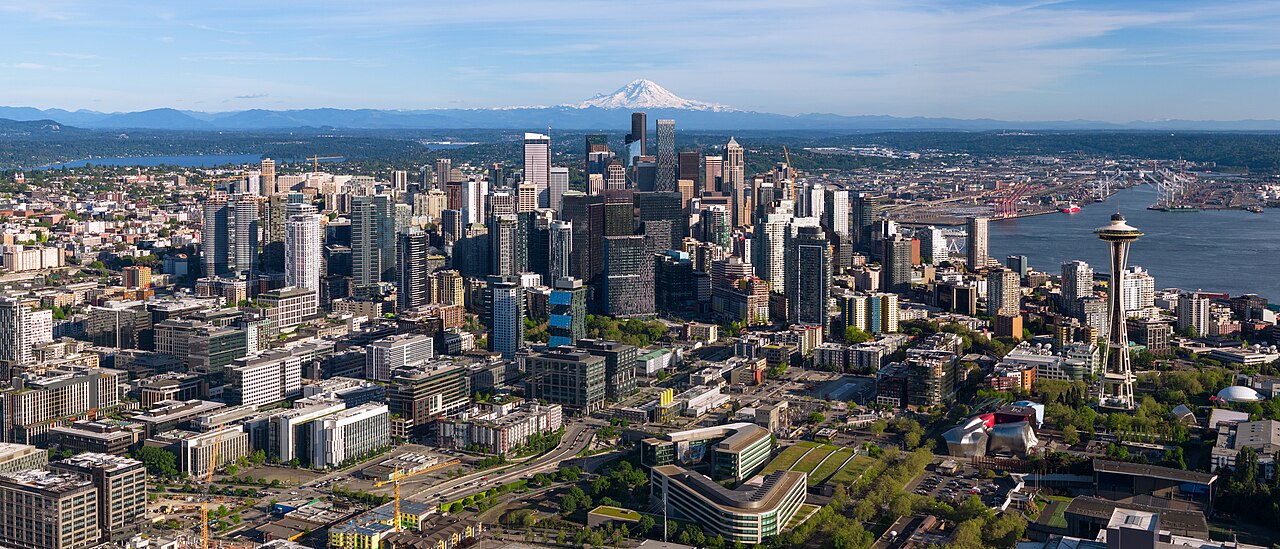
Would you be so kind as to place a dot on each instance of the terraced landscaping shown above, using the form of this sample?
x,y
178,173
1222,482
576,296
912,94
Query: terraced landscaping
x,y
786,459
831,465
853,470
811,460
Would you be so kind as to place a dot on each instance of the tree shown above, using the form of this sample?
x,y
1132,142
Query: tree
x,y
158,462
816,418
455,507
854,335
1070,435
646,523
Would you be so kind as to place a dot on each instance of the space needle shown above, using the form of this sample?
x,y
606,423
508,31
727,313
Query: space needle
x,y
1117,378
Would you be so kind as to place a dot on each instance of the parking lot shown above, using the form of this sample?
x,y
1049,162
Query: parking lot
x,y
954,489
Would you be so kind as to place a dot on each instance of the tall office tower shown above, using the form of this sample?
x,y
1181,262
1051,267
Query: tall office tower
x,y
451,226
413,278
537,165
595,143
400,180
666,177
636,141
570,377
121,483
497,175
558,183
1118,378
216,234
504,241
15,343
735,183
595,184
628,277
455,196
713,174
716,225
503,203
1004,293
534,237
835,215
666,206
372,227
303,243
560,243
587,215
526,199
274,218
568,312
864,213
977,234
1193,314
267,177
933,245
689,166
619,213
617,177
449,287
383,356
475,195
772,233
1139,290
1077,283
897,269
444,167
1018,264
815,199
505,315
619,366
645,174
44,509
808,275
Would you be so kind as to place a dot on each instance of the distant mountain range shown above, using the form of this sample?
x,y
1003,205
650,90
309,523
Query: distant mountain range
x,y
604,111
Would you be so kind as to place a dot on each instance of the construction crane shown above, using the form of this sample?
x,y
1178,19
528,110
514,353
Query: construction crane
x,y
212,180
208,484
397,476
315,161
790,171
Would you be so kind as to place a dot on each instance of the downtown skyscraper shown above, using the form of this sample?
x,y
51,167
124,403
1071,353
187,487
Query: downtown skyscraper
x,y
808,273
665,179
636,142
537,165
303,243
735,183
372,242
978,246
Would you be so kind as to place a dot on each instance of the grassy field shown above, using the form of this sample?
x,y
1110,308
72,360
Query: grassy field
x,y
850,472
811,461
786,459
833,462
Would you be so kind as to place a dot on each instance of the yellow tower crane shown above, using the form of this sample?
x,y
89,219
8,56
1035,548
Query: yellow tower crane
x,y
315,161
213,180
395,479
204,505
790,172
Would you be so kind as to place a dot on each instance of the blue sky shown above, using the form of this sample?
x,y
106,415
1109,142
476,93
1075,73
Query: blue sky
x,y
1102,60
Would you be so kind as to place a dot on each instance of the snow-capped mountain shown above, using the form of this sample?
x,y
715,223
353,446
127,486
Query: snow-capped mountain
x,y
646,94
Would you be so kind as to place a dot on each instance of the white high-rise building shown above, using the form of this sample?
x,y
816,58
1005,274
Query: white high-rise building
x,y
1139,290
933,245
537,165
246,233
506,314
1004,293
1193,313
475,192
836,213
303,242
349,434
386,354
40,327
260,379
1077,283
558,183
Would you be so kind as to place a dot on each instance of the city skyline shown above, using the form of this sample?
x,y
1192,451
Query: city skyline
x,y
1009,60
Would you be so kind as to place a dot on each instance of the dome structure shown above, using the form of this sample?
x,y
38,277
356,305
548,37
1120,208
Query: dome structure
x,y
1239,393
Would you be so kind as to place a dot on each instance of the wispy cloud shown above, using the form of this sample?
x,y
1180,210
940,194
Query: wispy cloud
x,y
28,66
251,96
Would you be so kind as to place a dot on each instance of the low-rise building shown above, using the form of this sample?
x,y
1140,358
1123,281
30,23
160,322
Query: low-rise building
x,y
749,514
499,428
1262,436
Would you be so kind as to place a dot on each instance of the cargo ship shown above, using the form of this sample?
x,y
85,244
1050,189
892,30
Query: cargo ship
x,y
1070,209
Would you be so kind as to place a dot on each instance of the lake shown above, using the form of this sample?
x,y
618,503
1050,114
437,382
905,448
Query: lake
x,y
1230,251
193,161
